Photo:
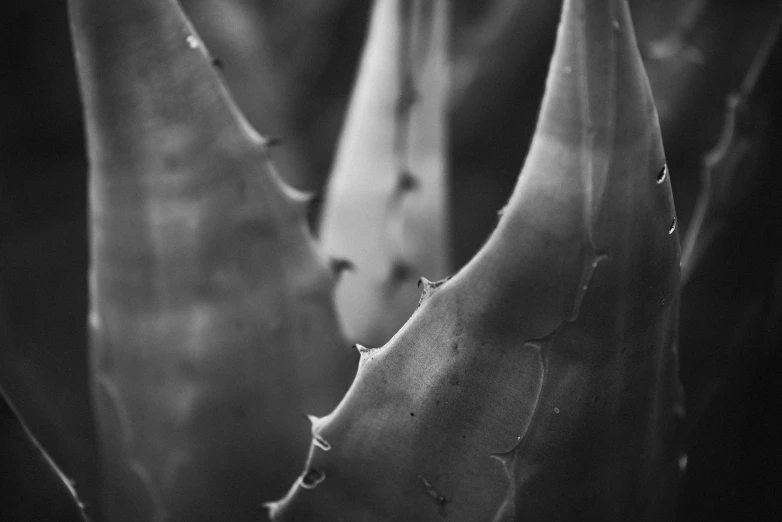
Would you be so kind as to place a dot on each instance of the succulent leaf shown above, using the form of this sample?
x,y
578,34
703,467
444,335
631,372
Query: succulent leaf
x,y
729,334
33,487
552,350
212,325
386,203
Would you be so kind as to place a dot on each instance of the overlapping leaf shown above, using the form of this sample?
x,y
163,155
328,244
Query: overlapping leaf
x,y
212,327
387,199
541,381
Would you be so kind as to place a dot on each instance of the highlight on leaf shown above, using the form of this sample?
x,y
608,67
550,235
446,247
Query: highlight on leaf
x,y
213,329
27,467
559,309
545,380
386,203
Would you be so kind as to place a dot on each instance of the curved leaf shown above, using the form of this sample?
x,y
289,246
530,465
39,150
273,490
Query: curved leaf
x,y
33,488
540,383
212,325
386,204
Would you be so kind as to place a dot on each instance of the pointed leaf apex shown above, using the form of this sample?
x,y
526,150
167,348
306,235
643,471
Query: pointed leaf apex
x,y
595,70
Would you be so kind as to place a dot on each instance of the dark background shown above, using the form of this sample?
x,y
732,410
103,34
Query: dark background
x,y
290,65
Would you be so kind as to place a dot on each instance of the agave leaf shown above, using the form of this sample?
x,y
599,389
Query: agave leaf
x,y
729,334
32,486
238,36
723,187
695,52
499,52
540,382
43,350
211,319
386,203
289,66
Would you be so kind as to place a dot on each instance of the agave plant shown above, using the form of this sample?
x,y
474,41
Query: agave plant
x,y
540,382
732,271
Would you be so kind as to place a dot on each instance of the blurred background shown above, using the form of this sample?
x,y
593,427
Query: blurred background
x,y
291,64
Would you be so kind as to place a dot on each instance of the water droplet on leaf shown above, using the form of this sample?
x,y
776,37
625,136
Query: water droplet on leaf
x,y
673,226
192,41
